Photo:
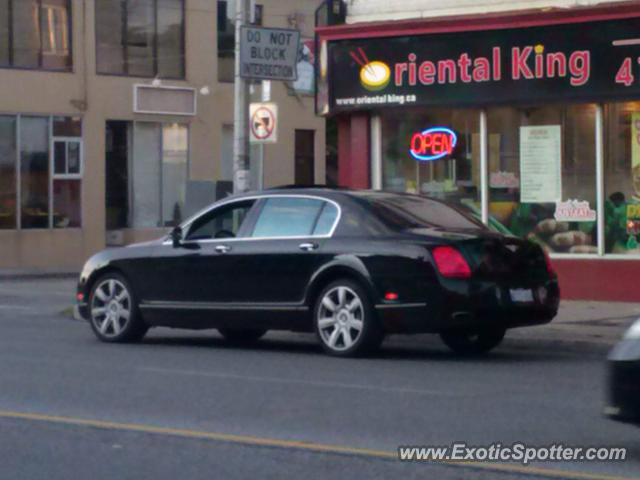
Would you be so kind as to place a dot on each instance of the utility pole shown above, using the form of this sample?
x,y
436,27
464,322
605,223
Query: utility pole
x,y
241,163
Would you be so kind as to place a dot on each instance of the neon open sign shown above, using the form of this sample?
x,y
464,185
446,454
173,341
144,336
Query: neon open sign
x,y
433,144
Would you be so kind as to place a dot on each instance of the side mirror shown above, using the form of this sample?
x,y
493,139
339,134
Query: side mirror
x,y
176,237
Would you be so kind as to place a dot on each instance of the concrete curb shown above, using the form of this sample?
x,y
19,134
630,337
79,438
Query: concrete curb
x,y
35,275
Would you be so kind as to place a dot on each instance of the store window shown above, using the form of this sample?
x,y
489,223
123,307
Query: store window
x,y
40,172
35,34
175,148
622,178
8,162
141,38
34,172
226,39
433,151
160,172
542,174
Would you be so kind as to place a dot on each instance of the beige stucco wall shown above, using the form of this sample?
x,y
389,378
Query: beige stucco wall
x,y
111,98
383,10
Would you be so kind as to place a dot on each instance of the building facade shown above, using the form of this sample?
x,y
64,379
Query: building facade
x,y
527,113
112,113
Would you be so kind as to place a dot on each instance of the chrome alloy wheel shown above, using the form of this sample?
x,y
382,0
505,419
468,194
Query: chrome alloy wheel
x,y
340,318
111,308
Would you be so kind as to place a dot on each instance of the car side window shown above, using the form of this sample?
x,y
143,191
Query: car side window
x,y
222,222
288,217
326,220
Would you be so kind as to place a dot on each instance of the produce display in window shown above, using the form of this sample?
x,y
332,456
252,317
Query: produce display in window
x,y
548,193
622,178
536,222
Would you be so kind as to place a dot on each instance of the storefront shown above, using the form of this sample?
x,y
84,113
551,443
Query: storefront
x,y
532,121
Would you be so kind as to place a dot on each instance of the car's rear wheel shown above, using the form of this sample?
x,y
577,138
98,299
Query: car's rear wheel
x,y
244,335
113,311
473,343
345,321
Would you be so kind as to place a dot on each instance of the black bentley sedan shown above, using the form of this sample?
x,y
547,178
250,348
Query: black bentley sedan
x,y
351,266
623,393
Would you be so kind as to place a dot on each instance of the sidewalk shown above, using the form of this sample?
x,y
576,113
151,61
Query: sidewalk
x,y
585,321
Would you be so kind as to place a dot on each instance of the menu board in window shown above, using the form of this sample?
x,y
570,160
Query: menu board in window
x,y
540,164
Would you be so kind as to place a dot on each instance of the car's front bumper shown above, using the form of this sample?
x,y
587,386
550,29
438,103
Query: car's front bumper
x,y
80,312
623,392
623,402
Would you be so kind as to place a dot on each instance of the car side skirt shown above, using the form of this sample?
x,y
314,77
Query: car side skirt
x,y
200,316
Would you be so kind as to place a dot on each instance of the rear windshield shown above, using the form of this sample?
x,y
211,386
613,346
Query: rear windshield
x,y
404,212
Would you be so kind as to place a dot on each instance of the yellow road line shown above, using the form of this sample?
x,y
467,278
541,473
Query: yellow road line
x,y
299,445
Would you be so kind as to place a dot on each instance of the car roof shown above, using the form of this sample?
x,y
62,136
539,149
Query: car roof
x,y
317,191
320,191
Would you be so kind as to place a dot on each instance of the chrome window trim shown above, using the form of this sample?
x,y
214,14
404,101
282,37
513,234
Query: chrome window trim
x,y
185,226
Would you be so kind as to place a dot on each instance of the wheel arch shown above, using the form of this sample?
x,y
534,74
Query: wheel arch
x,y
355,272
99,273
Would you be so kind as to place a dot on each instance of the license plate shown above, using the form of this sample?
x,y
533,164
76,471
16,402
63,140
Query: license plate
x,y
521,295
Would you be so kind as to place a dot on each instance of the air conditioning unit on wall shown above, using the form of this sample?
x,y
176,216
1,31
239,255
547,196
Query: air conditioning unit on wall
x,y
164,100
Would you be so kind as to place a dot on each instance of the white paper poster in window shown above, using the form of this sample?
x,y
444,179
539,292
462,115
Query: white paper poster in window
x,y
540,164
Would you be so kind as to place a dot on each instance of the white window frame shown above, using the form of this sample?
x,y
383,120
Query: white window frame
x,y
67,141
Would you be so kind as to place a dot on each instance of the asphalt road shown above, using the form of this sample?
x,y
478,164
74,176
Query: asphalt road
x,y
184,405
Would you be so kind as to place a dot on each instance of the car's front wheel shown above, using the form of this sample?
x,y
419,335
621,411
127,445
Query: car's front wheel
x,y
113,310
345,321
473,343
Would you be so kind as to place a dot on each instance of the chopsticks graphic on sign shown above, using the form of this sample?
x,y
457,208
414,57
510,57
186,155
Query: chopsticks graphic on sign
x,y
363,61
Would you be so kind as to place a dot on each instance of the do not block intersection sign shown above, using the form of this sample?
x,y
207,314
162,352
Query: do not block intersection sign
x,y
269,53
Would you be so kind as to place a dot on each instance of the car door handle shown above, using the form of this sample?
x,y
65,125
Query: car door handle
x,y
223,248
308,247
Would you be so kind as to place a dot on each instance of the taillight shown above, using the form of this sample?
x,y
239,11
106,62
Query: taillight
x,y
547,261
451,263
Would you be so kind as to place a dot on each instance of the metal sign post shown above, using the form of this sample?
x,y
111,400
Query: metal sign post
x,y
261,54
241,165
266,97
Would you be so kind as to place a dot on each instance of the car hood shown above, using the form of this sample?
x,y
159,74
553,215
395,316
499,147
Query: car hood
x,y
148,243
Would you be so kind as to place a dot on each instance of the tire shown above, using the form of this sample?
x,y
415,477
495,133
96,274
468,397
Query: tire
x,y
242,336
469,343
113,311
345,321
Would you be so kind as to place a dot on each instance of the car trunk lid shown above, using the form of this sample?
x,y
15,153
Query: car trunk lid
x,y
493,256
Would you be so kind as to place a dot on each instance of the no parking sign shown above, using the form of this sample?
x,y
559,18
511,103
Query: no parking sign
x,y
263,122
